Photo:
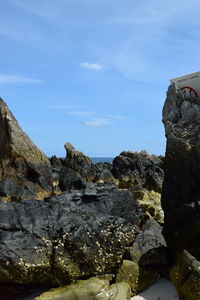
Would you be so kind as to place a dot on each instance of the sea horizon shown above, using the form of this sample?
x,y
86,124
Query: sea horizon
x,y
101,159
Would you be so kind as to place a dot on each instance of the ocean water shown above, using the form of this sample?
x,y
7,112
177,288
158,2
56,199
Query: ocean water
x,y
102,159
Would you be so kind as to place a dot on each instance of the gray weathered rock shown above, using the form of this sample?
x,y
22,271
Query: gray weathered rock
x,y
149,259
79,162
181,193
20,159
138,170
77,234
150,253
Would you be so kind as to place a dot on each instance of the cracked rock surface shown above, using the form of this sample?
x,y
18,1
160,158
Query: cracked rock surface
x,y
77,234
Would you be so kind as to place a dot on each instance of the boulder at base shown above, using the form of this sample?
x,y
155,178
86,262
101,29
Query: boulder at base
x,y
91,289
185,274
149,259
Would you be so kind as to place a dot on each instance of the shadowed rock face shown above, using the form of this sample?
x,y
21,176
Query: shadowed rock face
x,y
181,192
20,159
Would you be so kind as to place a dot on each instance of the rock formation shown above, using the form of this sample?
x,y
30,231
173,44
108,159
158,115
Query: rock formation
x,y
85,226
20,159
142,174
79,162
138,170
148,258
74,235
181,195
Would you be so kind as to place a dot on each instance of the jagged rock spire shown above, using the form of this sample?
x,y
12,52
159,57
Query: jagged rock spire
x,y
181,193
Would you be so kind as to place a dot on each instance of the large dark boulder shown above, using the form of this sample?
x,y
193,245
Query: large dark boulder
x,y
138,170
148,258
74,235
20,159
66,178
70,179
181,193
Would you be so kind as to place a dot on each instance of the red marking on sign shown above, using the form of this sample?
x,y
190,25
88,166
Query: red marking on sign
x,y
189,90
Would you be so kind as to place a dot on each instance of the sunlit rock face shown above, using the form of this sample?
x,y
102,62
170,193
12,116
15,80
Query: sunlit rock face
x,y
181,192
21,160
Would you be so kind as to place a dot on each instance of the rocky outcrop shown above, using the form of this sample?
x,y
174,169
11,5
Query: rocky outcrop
x,y
20,159
75,235
138,170
142,174
149,257
181,195
79,162
66,178
84,227
104,173
76,169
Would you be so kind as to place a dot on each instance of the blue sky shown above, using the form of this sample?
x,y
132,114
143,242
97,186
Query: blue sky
x,y
95,72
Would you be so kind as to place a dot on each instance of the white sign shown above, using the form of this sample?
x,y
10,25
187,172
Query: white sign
x,y
189,84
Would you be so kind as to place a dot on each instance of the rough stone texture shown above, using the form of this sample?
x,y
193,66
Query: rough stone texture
x,y
149,258
14,142
70,179
149,246
149,252
91,289
138,170
181,194
66,178
150,203
129,273
79,162
185,274
104,173
77,234
20,159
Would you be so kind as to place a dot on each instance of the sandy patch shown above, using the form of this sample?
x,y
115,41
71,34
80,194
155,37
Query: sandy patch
x,y
162,290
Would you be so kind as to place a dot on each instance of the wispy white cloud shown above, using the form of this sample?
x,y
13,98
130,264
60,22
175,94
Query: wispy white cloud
x,y
7,79
97,123
91,66
103,122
